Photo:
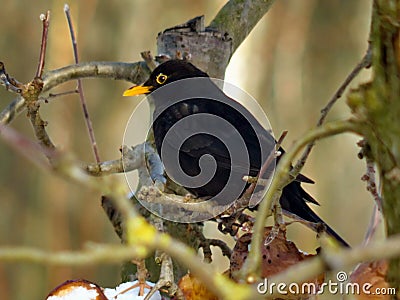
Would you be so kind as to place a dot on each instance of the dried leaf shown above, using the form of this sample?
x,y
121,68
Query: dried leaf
x,y
193,289
278,255
372,273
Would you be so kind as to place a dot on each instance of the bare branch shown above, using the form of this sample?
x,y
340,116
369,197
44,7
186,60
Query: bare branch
x,y
133,72
132,158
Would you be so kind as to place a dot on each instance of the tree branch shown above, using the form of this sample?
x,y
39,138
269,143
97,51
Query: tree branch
x,y
238,18
133,72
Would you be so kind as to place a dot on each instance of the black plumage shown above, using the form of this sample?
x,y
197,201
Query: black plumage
x,y
170,109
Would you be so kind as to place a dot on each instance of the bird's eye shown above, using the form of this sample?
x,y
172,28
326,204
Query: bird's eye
x,y
161,78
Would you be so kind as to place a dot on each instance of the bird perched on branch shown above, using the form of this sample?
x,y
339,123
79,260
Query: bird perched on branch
x,y
205,139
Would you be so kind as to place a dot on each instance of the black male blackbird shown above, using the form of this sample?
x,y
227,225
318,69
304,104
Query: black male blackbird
x,y
188,98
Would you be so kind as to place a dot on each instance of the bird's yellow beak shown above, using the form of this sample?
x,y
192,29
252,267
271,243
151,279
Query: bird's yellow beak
x,y
137,90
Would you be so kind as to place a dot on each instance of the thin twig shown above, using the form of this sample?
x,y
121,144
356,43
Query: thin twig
x,y
364,63
10,83
80,88
369,177
376,216
51,95
45,18
29,149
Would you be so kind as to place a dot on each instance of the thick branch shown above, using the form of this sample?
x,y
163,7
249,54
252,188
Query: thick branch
x,y
238,18
377,104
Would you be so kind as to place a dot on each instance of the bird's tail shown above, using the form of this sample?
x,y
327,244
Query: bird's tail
x,y
293,201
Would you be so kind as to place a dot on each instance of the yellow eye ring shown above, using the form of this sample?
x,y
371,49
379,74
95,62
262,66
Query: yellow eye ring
x,y
161,78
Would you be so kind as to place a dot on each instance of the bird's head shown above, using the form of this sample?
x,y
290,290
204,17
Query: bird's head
x,y
167,72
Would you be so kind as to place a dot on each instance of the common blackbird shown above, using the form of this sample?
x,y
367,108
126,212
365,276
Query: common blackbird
x,y
200,97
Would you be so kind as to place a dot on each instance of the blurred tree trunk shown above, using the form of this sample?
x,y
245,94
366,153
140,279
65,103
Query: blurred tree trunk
x,y
378,105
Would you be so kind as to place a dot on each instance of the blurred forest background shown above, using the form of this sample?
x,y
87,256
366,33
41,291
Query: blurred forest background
x,y
292,63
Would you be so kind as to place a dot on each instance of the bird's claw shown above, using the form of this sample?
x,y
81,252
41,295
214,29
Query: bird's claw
x,y
166,279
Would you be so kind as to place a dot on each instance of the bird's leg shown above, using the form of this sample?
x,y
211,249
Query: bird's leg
x,y
278,215
232,223
280,224
206,244
141,275
166,277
